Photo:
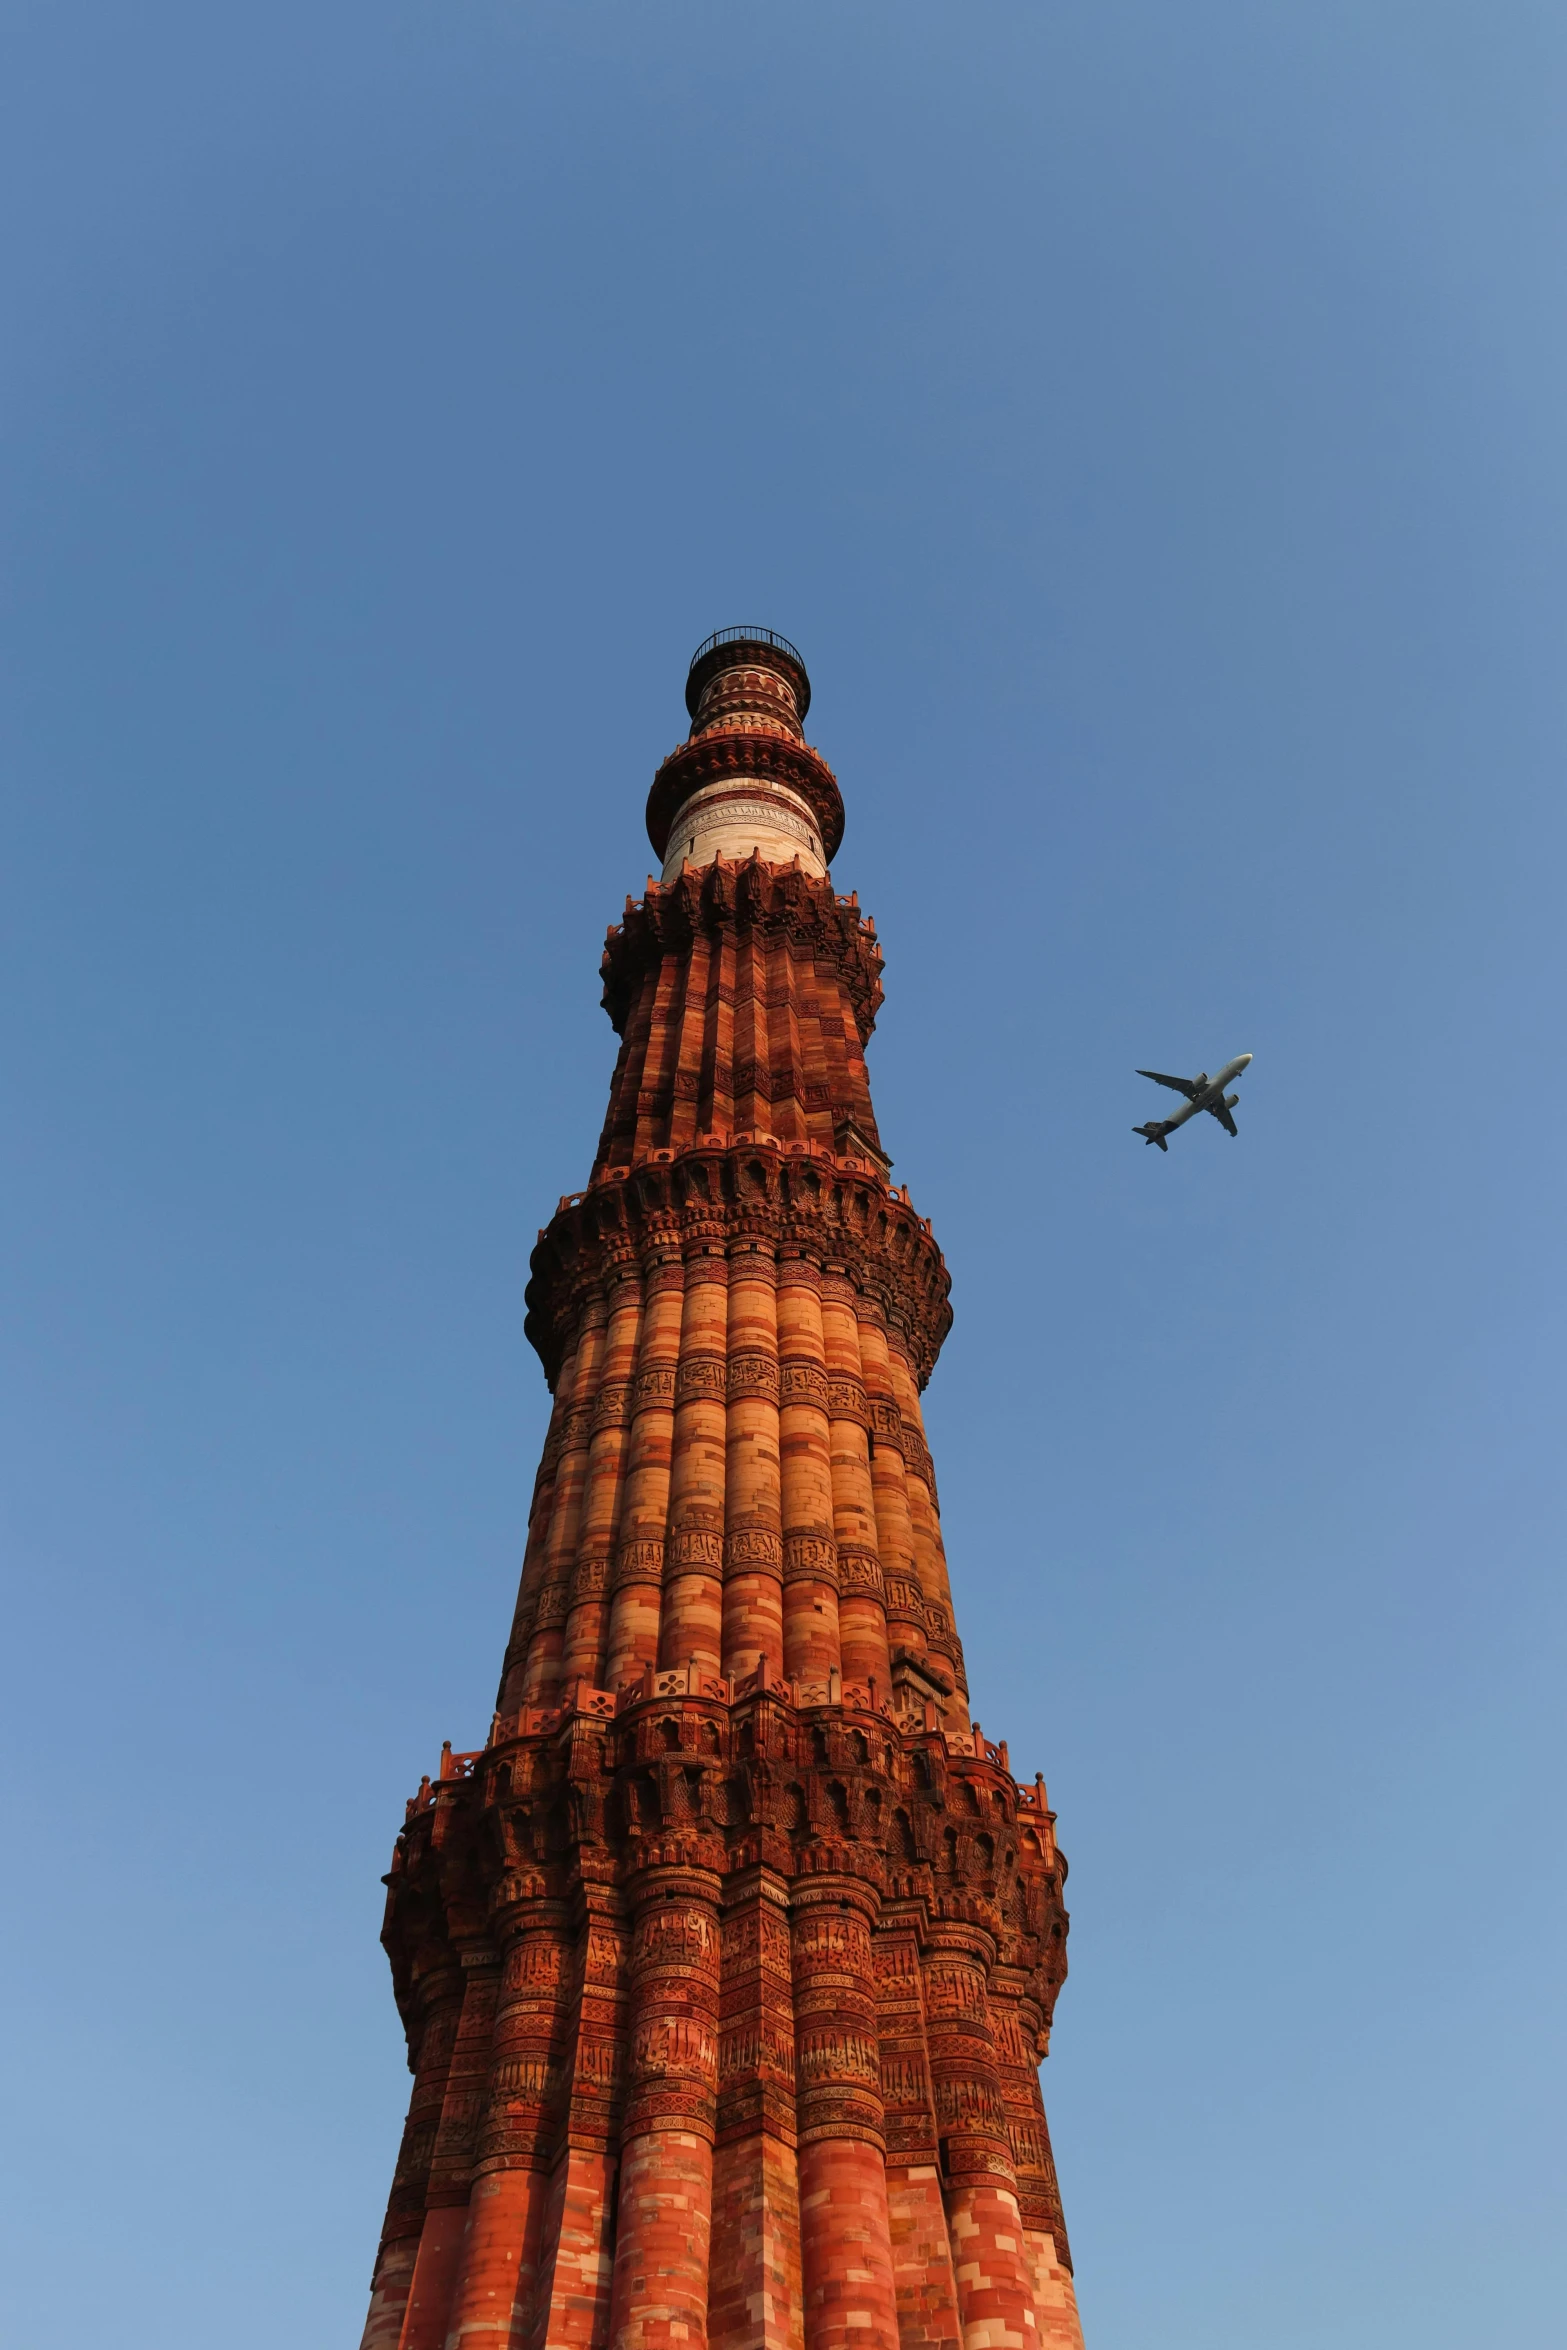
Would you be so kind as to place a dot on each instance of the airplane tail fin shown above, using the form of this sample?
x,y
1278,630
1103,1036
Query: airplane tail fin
x,y
1153,1132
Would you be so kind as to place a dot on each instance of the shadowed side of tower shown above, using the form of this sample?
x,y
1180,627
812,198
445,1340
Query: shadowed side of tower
x,y
728,1964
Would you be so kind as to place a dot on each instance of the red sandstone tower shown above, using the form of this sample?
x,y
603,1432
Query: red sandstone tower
x,y
728,1963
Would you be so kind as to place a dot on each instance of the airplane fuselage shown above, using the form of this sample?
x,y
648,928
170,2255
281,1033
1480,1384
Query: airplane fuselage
x,y
1213,1091
1201,1093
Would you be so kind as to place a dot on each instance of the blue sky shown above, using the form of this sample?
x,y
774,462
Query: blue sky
x,y
1148,423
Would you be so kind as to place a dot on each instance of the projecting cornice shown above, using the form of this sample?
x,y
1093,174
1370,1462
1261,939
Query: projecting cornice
x,y
747,1192
733,752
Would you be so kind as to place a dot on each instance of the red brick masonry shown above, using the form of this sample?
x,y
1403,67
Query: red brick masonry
x,y
728,1963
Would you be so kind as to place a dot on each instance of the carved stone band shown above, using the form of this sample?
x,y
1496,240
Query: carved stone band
x,y
753,1375
695,1547
701,1378
638,1561
887,1421
654,1387
612,1407
753,1550
905,1601
803,1382
553,1608
810,1558
860,1570
590,1577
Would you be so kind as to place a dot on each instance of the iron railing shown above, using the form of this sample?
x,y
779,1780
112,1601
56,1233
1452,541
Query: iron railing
x,y
748,636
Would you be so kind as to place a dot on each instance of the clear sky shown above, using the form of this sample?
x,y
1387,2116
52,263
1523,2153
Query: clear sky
x,y
1148,420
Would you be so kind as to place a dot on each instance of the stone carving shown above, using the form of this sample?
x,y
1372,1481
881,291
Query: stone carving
x,y
733,1924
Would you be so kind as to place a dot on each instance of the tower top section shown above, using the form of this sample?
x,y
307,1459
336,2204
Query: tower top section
x,y
745,782
748,648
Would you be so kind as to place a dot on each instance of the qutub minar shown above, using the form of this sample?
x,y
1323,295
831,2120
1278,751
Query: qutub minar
x,y
727,1965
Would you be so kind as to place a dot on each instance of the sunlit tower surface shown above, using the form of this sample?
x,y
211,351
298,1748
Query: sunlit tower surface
x,y
728,1963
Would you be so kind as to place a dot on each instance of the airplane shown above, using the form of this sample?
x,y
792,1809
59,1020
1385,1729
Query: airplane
x,y
1202,1093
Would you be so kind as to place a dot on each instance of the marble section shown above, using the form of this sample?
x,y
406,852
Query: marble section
x,y
744,818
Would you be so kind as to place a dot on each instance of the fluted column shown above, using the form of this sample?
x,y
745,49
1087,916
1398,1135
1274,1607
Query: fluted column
x,y
440,1999
845,2241
691,1624
660,2287
573,2306
644,1510
862,1616
995,2282
717,1106
1016,2028
811,1645
588,1623
927,2293
451,2162
618,1138
547,1642
904,1600
754,2294
663,1047
753,1539
514,1664
753,1076
930,1555
505,2236
687,1078
785,1060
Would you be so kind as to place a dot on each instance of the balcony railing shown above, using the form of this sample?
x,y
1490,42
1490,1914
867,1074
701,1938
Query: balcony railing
x,y
747,636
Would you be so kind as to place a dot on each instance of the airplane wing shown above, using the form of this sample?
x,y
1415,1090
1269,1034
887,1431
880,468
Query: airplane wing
x,y
1176,1084
1221,1111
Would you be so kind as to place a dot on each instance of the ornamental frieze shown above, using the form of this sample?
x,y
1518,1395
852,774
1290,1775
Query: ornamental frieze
x,y
590,1577
605,1956
554,1605
756,2049
954,1991
840,2057
886,1252
753,1550
905,2080
696,1546
681,2046
612,1405
859,1570
895,1960
528,2079
701,1376
969,2100
887,1423
638,1560
832,1943
847,1400
810,1558
600,2064
671,1931
753,1375
803,1382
